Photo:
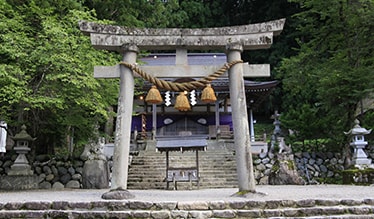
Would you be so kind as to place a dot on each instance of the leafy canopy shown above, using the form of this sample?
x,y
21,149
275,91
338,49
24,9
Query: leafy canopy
x,y
333,69
46,67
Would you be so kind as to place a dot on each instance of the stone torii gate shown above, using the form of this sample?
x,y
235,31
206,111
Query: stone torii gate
x,y
233,40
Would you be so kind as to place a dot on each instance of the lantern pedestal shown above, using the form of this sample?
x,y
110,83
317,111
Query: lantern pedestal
x,y
359,155
19,182
21,165
20,175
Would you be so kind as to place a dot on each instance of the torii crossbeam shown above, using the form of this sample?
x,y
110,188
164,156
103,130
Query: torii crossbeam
x,y
233,40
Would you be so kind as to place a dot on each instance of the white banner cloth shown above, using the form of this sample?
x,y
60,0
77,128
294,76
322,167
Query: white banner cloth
x,y
3,134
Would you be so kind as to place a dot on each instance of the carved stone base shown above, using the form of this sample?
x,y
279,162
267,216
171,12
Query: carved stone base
x,y
20,170
19,182
362,161
118,194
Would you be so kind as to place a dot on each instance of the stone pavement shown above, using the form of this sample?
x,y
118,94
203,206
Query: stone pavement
x,y
264,193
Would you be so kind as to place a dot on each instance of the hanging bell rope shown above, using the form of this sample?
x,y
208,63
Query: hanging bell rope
x,y
185,86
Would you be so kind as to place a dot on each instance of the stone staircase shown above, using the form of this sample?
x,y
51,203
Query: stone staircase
x,y
308,208
217,169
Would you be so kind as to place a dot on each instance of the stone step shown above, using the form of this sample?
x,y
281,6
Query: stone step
x,y
217,168
146,159
203,165
207,156
203,174
211,179
165,214
192,154
202,169
206,163
156,153
155,177
201,162
151,179
160,184
203,209
201,157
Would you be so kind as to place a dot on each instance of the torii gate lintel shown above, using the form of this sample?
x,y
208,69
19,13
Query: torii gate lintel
x,y
251,36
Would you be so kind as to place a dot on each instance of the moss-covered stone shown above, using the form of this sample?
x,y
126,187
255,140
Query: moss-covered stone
x,y
358,176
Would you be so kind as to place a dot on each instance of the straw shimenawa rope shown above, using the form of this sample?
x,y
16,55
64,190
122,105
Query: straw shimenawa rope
x,y
185,86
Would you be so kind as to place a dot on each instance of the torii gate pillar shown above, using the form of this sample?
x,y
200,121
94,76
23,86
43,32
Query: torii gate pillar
x,y
124,117
240,121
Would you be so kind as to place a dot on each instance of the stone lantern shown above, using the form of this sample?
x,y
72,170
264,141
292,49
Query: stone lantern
x,y
21,165
358,143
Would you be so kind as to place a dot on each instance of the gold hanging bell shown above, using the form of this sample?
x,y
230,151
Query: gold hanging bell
x,y
208,95
181,102
153,96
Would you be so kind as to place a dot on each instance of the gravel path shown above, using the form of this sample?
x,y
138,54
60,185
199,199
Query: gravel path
x,y
286,192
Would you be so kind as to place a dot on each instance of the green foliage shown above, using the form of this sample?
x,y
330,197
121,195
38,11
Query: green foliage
x,y
358,176
331,180
263,128
46,63
321,145
46,67
290,164
157,13
332,71
367,121
141,13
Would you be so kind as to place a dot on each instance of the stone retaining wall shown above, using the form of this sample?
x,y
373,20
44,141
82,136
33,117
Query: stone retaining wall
x,y
51,173
313,167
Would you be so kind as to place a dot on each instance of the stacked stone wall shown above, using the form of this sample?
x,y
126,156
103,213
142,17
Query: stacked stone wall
x,y
51,172
313,167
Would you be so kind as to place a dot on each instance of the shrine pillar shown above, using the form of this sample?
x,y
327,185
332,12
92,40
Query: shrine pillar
x,y
240,121
124,117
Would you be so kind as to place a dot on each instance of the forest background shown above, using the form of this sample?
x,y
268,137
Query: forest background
x,y
323,59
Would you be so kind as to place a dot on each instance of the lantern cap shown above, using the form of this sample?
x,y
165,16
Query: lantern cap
x,y
357,129
23,135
